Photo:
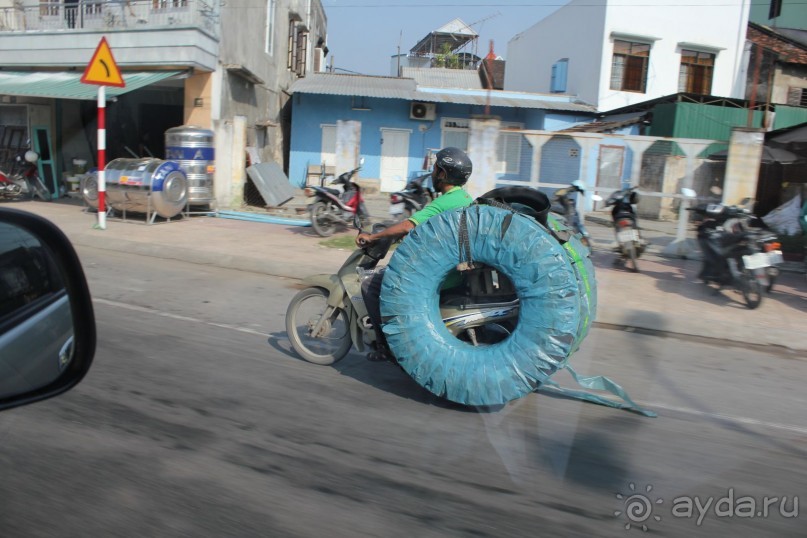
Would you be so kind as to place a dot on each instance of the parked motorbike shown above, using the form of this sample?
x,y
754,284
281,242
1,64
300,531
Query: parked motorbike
x,y
333,208
737,250
324,320
23,179
626,226
564,203
411,199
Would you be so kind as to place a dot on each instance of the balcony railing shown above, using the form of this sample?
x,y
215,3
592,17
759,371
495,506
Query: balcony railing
x,y
110,15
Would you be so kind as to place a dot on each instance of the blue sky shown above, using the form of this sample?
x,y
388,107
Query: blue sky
x,y
363,35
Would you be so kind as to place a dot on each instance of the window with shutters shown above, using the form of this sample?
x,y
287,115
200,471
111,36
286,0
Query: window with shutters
x,y
302,52
695,73
629,66
559,70
775,9
508,150
797,96
298,45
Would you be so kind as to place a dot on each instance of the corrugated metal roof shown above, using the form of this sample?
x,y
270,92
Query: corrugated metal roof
x,y
358,85
406,88
500,98
444,78
67,85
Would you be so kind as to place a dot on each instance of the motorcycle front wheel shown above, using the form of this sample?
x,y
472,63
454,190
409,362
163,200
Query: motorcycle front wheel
x,y
751,289
304,313
321,220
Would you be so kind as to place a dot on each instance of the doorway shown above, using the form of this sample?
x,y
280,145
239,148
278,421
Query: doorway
x,y
394,159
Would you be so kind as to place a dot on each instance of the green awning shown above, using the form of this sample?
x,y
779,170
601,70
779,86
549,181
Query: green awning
x,y
67,84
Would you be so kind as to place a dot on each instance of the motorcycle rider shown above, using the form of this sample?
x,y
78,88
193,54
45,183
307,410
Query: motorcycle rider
x,y
567,198
450,173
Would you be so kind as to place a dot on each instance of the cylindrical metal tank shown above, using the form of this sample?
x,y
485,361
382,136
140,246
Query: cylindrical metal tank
x,y
192,147
141,186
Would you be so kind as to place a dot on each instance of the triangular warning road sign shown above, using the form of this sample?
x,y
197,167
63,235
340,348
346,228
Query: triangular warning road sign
x,y
102,69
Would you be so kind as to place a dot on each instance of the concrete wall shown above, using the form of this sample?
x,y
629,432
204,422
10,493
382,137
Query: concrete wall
x,y
244,43
718,28
261,107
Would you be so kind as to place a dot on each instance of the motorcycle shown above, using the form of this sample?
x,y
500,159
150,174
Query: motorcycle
x,y
23,179
332,207
564,202
327,318
411,199
626,227
737,250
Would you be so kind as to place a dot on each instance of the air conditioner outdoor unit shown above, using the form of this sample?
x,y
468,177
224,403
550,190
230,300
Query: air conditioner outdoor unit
x,y
422,111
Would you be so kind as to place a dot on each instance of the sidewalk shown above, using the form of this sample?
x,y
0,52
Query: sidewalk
x,y
664,297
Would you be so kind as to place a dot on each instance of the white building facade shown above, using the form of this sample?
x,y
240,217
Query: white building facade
x,y
616,53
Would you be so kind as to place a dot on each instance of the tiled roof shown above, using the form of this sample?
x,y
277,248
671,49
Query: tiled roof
x,y
789,51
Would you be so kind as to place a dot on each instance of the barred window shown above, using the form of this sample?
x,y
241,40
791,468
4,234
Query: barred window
x,y
629,66
797,96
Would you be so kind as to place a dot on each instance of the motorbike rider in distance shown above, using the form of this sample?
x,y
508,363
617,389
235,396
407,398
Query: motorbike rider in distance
x,y
567,199
450,173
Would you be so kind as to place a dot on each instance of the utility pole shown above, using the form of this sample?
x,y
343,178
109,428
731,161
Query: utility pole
x,y
756,50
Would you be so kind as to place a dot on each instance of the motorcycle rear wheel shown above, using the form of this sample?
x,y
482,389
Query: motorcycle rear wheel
x,y
632,255
321,220
301,318
751,289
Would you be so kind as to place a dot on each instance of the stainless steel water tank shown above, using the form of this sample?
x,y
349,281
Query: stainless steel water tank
x,y
192,147
141,186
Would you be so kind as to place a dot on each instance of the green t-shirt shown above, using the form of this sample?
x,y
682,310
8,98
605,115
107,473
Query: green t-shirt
x,y
454,198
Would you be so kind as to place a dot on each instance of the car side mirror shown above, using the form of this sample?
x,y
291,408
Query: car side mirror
x,y
689,193
47,324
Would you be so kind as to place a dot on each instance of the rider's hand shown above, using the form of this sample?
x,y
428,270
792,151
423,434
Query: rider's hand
x,y
362,240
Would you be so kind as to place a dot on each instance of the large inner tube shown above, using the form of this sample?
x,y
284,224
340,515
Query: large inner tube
x,y
534,203
553,306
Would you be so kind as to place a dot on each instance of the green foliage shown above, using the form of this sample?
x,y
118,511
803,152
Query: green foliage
x,y
446,58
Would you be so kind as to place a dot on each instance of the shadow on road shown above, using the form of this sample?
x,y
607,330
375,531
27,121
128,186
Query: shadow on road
x,y
384,376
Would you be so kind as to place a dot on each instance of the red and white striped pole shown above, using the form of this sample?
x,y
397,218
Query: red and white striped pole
x,y
101,157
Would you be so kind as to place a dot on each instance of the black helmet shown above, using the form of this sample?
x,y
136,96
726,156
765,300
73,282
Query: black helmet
x,y
456,165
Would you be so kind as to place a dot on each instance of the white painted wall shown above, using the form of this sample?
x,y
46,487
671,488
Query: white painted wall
x,y
574,32
584,33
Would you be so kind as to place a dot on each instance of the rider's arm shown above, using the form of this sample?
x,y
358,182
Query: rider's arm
x,y
399,229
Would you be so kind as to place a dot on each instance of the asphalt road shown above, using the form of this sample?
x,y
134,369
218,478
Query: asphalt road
x,y
196,420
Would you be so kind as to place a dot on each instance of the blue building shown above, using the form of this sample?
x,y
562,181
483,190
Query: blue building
x,y
397,123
